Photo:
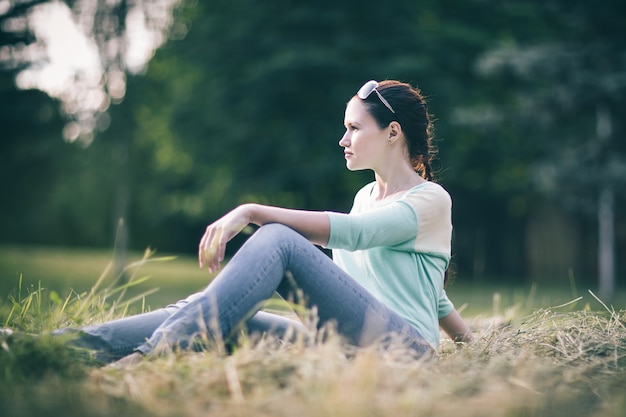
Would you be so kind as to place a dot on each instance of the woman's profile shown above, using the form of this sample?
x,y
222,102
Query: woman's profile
x,y
390,252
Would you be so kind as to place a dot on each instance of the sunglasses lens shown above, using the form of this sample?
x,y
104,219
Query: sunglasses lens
x,y
366,90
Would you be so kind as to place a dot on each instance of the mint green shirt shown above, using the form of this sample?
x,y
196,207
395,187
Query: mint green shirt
x,y
399,249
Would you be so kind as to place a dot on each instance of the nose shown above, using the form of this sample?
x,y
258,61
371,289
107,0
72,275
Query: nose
x,y
344,142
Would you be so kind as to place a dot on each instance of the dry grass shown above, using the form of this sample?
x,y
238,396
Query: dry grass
x,y
546,364
552,362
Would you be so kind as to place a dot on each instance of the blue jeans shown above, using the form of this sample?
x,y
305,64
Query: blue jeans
x,y
274,259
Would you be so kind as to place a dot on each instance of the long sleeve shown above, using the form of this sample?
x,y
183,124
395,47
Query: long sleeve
x,y
399,250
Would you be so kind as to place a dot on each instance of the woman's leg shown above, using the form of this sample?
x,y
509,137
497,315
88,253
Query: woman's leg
x,y
259,269
267,323
118,338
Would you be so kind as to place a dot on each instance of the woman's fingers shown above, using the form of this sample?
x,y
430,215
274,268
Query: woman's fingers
x,y
212,246
207,247
201,257
213,251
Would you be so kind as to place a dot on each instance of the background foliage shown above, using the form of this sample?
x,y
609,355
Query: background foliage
x,y
248,106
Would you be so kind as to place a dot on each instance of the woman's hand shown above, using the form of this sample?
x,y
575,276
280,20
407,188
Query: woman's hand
x,y
213,244
456,327
315,226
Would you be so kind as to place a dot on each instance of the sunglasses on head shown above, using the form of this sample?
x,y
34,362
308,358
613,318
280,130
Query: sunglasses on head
x,y
372,87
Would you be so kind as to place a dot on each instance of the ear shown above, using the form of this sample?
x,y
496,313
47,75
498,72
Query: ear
x,y
395,131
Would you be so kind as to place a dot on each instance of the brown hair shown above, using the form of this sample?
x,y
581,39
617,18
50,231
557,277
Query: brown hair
x,y
412,114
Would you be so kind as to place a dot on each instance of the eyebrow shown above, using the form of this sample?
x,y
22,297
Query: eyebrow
x,y
352,122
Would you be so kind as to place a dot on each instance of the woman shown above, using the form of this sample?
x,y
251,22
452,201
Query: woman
x,y
390,253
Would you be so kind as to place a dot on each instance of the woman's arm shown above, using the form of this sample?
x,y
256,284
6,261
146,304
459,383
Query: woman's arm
x,y
455,327
314,225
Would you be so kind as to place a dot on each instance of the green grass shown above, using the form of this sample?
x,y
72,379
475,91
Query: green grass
x,y
537,353
65,269
176,276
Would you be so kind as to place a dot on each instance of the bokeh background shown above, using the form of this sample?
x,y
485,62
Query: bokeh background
x,y
168,113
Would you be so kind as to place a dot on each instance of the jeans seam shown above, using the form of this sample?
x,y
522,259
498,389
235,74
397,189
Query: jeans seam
x,y
263,275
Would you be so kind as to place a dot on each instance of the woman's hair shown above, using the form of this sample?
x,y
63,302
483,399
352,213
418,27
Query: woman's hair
x,y
412,114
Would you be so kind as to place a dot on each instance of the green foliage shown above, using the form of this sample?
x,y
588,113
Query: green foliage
x,y
248,106
28,352
28,357
36,310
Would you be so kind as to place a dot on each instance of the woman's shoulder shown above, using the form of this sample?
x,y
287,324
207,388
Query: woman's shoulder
x,y
428,192
428,187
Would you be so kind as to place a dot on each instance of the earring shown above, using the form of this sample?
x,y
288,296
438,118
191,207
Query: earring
x,y
388,141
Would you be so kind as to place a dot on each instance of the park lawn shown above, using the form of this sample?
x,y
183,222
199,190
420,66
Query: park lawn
x,y
528,360
171,277
65,269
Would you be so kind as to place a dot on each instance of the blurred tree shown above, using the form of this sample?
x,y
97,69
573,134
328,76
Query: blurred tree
x,y
561,89
31,134
247,105
118,36
251,102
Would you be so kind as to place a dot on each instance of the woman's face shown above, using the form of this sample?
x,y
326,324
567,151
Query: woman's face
x,y
364,142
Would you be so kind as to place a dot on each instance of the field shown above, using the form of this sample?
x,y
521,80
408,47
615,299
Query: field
x,y
539,352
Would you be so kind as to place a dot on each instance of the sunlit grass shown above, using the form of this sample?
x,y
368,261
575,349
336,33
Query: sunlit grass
x,y
549,363
568,359
65,269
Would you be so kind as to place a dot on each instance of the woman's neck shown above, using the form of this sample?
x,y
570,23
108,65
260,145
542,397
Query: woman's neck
x,y
396,181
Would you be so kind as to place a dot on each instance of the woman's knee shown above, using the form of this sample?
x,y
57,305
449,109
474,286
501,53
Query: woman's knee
x,y
275,234
276,228
172,308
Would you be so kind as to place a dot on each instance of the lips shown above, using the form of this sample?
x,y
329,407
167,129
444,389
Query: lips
x,y
348,154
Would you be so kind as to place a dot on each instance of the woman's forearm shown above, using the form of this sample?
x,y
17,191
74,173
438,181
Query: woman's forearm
x,y
455,327
314,225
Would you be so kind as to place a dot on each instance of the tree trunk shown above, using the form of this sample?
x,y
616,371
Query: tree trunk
x,y
121,208
606,244
606,233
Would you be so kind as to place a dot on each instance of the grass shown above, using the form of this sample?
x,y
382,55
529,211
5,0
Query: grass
x,y
65,269
528,360
176,276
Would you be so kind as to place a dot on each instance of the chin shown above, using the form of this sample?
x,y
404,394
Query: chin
x,y
352,167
